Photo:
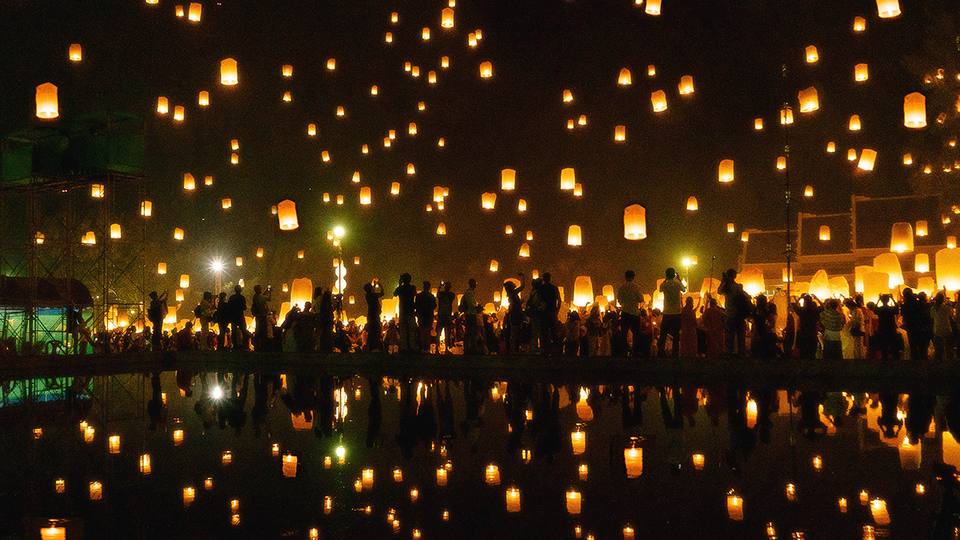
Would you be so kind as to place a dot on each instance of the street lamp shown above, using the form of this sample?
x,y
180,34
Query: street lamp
x,y
339,270
217,266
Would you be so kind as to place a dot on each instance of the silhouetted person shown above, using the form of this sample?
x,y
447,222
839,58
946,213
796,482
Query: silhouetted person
x,y
471,326
372,293
425,303
736,310
630,298
406,294
514,314
888,339
549,320
672,289
260,310
156,313
236,307
445,307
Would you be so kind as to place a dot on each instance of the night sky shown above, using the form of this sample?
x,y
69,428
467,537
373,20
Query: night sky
x,y
746,58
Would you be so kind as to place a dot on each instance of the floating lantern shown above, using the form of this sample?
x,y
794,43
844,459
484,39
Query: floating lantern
x,y
162,105
851,154
239,261
76,52
907,159
188,495
529,236
570,124
808,191
60,485
494,265
878,508
582,296
831,147
521,205
624,79
633,459
441,229
573,501
692,204
731,228
574,237
508,179
47,103
226,204
921,263
488,201
113,444
486,70
901,237
189,183
444,62
513,500
525,250
812,55
698,460
177,437
921,229
567,96
888,8
96,491
195,11
578,439
208,181
162,268
204,98
395,188
228,72
786,116
287,214
568,178
583,120
38,238
441,476
867,158
889,263
367,479
145,464
686,85
758,124
234,159
855,123
340,110
178,10
725,173
184,281
859,24
412,128
365,195
287,96
659,100
781,163
634,222
734,507
915,110
411,170
653,7
809,100
97,191
226,458
89,238
492,475
178,234
331,64
620,133
425,34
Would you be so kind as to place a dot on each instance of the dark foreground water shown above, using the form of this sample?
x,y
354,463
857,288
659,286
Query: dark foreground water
x,y
810,464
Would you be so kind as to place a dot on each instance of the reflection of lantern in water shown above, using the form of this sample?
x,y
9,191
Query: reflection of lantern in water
x,y
96,491
578,439
878,508
734,506
60,485
492,475
47,103
145,464
909,455
915,110
513,500
188,495
573,501
289,465
114,444
177,437
633,459
698,460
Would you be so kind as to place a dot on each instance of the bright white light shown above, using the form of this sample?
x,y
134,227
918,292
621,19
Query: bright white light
x,y
341,451
216,265
216,392
338,231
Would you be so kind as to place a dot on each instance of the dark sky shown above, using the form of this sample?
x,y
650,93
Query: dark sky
x,y
736,52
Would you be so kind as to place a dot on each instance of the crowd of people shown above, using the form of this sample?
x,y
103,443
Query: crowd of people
x,y
531,320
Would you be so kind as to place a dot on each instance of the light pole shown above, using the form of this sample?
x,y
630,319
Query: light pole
x,y
339,270
217,266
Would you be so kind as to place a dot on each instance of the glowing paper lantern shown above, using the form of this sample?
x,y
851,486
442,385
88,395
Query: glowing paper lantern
x,y
568,179
859,24
831,147
446,18
365,195
634,222
161,268
195,11
287,214
758,124
921,263
686,85
525,250
331,64
915,110
574,236
734,507
692,204
178,234
725,173
521,205
948,268
861,72
488,201
508,179
808,191
651,70
851,154
659,100
824,233
653,7
441,229
486,70
115,232
855,123
812,55
96,491
888,8
163,105
921,228
513,500
786,116
620,133
228,72
889,263
809,100
901,237
751,278
47,104
624,79
633,459
582,296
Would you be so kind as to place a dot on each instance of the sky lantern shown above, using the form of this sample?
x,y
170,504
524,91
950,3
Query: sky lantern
x,y
875,284
228,72
287,96
620,133
163,105
226,204
921,229
888,8
825,233
494,265
508,179
287,214
831,147
204,98
859,274
394,17
115,232
568,178
287,70
855,122
364,149
76,53
365,195
571,124
47,103
513,500
486,70
578,190
444,62
146,208
325,156
311,130
809,101
208,181
948,268
567,96
653,7
331,64
907,159
340,111
686,85
441,229
178,10
529,236
692,204
659,100
812,55
524,250
189,183
808,191
446,18
725,173
412,128
438,193
786,116
161,268
859,24
915,110
744,236
426,34
852,154
574,236
890,264
521,205
411,170
582,295
395,188
751,278
97,191
781,163
178,113
301,292
89,238
651,70
867,158
508,230
951,242
860,72
624,79
195,11
488,201
178,234
583,120
758,124
431,78
921,263
356,177
184,281
731,227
